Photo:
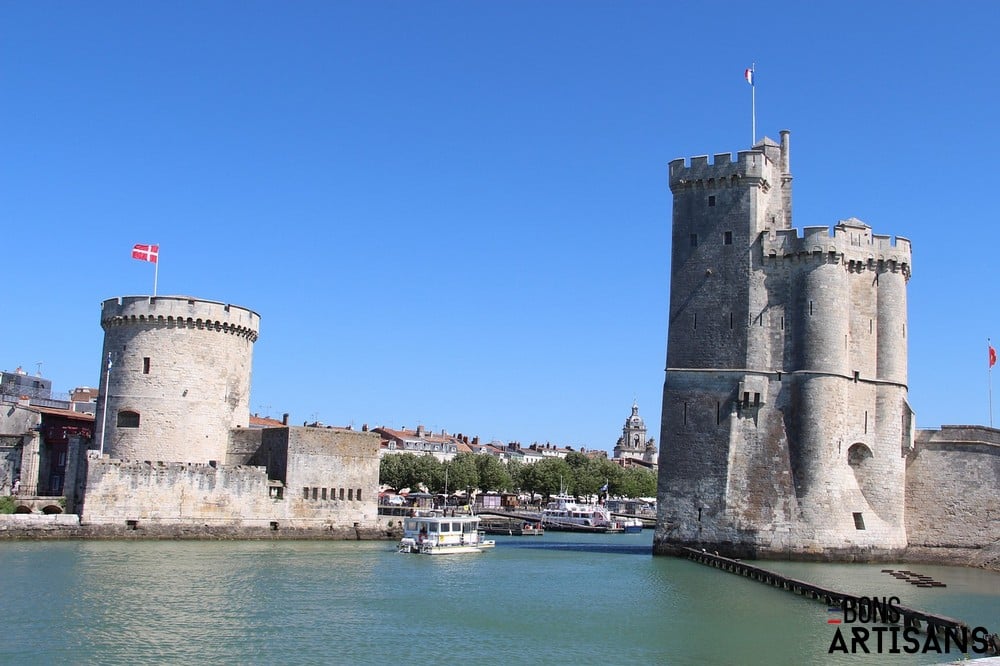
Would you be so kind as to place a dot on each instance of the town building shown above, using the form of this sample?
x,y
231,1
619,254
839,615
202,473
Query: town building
x,y
633,446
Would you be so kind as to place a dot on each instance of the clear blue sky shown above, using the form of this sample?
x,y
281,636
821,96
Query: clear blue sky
x,y
456,213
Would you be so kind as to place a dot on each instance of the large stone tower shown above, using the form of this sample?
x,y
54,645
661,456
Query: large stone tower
x,y
785,417
179,377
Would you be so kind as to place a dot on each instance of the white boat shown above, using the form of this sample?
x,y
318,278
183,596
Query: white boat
x,y
436,534
565,513
631,525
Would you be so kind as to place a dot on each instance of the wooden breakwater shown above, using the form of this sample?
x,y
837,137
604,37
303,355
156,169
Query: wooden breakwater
x,y
908,617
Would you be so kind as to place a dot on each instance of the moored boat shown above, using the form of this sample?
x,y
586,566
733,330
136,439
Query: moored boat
x,y
565,514
436,534
631,525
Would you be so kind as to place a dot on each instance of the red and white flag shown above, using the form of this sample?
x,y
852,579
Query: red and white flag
x,y
748,75
992,355
146,252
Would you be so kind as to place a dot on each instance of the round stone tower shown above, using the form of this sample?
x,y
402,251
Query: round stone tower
x,y
175,377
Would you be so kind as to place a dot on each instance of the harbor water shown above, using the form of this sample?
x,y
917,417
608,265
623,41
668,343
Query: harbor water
x,y
556,599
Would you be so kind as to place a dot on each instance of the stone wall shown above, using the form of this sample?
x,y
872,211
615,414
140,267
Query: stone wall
x,y
953,488
179,380
312,478
785,420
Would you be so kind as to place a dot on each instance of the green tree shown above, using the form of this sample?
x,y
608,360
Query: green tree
x,y
428,471
586,480
463,473
638,482
392,470
492,473
552,475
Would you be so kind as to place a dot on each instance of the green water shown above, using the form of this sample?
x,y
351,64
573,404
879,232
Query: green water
x,y
557,599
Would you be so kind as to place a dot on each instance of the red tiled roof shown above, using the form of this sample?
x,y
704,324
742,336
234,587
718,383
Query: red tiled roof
x,y
265,422
65,413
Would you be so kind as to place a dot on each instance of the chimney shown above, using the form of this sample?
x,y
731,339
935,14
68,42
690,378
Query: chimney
x,y
475,441
284,419
364,427
420,431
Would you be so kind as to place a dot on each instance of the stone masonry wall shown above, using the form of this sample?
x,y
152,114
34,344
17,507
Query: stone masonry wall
x,y
180,377
953,488
332,483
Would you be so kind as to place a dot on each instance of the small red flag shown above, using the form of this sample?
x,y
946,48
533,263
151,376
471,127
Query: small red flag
x,y
993,356
146,252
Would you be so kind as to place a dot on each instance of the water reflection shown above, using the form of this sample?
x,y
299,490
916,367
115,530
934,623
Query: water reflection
x,y
590,599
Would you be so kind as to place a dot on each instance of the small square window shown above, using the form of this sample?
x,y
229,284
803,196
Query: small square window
x,y
711,200
727,238
859,521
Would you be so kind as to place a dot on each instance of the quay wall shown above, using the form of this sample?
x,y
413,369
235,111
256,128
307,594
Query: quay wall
x,y
952,477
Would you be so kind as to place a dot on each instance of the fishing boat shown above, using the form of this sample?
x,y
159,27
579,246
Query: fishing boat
x,y
437,534
565,514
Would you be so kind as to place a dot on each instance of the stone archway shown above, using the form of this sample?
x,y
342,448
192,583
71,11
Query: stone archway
x,y
51,509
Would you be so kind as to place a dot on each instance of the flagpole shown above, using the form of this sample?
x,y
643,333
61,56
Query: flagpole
x,y
156,270
104,412
989,371
753,104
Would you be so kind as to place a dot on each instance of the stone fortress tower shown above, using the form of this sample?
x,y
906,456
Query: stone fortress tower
x,y
176,453
785,424
179,378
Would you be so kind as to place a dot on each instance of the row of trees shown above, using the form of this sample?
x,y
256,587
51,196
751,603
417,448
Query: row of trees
x,y
575,474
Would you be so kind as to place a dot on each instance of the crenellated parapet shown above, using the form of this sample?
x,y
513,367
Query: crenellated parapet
x,y
723,171
180,312
852,243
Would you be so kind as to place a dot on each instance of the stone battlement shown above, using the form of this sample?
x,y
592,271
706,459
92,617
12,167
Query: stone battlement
x,y
180,312
851,239
748,164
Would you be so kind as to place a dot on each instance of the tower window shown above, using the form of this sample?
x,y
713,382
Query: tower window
x,y
127,419
810,307
145,365
859,521
711,200
727,238
685,413
695,318
694,240
718,413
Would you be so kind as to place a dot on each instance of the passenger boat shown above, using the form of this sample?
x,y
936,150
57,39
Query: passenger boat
x,y
436,534
566,514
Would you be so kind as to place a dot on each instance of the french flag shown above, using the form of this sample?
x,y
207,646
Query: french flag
x,y
748,75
